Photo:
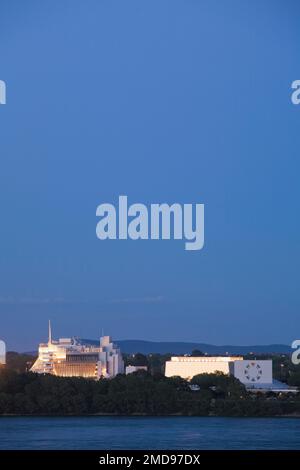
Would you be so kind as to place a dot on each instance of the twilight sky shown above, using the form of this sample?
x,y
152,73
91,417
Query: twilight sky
x,y
163,101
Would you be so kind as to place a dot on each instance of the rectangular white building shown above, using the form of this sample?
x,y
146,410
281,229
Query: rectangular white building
x,y
252,373
132,369
188,366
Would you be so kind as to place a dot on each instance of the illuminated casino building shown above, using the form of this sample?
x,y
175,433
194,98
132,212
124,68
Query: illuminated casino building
x,y
67,357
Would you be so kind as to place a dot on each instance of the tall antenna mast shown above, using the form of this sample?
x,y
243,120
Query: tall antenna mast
x,y
50,333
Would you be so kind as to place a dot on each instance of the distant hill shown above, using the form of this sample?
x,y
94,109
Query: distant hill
x,y
132,346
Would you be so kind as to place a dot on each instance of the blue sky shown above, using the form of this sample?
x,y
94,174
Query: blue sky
x,y
164,101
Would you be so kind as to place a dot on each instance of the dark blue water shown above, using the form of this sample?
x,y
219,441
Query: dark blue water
x,y
149,433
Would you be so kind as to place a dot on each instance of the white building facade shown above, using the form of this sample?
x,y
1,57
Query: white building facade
x,y
132,369
252,373
188,366
67,357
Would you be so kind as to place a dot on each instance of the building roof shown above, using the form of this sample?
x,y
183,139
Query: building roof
x,y
206,358
275,386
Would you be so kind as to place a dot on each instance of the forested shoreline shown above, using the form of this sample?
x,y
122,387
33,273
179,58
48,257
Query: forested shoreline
x,y
136,394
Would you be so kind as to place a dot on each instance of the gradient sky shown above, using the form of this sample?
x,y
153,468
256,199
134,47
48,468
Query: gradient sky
x,y
165,101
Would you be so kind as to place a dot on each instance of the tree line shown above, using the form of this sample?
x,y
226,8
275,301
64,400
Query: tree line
x,y
136,394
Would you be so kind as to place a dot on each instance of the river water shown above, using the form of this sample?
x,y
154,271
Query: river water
x,y
148,433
